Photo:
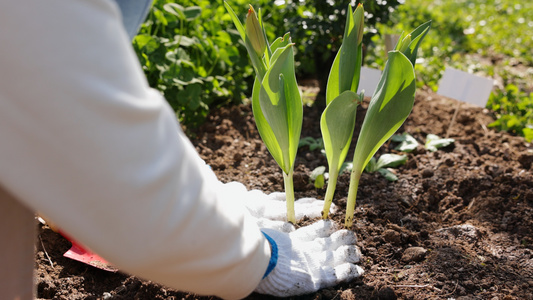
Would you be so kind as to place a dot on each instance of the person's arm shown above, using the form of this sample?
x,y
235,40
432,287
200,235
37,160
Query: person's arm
x,y
86,142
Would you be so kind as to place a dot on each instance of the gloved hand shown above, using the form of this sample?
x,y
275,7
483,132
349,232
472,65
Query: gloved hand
x,y
304,260
310,258
271,210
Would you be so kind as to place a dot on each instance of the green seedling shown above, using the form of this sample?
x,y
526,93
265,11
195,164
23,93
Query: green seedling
x,y
434,142
386,161
338,119
407,142
390,105
312,143
276,100
318,177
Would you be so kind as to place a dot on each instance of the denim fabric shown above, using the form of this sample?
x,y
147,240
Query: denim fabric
x,y
134,12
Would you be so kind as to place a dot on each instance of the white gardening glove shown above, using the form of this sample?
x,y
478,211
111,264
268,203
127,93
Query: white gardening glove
x,y
271,210
310,258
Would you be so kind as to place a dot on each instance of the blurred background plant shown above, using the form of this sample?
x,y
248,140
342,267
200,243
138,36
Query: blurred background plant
x,y
317,28
490,38
191,53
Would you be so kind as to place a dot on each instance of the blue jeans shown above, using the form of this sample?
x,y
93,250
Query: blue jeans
x,y
134,12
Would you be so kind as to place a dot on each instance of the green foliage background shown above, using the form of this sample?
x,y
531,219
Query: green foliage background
x,y
491,38
195,57
191,53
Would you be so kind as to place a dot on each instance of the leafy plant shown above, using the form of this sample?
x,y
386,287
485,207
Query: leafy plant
x,y
381,166
466,41
315,25
190,59
318,177
407,142
391,104
434,142
386,161
514,110
276,100
312,143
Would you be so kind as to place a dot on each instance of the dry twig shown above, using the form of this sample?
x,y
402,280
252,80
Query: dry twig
x,y
46,253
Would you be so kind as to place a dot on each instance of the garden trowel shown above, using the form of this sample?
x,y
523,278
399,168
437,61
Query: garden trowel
x,y
79,253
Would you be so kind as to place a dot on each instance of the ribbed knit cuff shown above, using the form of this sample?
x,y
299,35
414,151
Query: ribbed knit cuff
x,y
273,255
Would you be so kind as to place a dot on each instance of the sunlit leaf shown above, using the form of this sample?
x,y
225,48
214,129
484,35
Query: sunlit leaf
x,y
434,142
407,142
390,105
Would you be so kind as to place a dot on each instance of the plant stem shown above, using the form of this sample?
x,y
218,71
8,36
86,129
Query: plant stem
x,y
289,196
352,194
330,191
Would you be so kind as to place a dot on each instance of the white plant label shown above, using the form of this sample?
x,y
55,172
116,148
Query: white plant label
x,y
465,87
369,81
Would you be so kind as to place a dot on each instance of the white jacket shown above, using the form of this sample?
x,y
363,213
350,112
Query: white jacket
x,y
87,143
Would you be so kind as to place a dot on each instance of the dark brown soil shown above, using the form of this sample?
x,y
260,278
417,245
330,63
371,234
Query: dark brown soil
x,y
458,223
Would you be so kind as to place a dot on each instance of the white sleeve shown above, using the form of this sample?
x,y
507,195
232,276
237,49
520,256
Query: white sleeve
x,y
86,142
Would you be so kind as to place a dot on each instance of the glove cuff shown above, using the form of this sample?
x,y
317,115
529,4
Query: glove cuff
x,y
273,255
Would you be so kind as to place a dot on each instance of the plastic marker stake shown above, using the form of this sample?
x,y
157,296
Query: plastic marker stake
x,y
465,87
369,80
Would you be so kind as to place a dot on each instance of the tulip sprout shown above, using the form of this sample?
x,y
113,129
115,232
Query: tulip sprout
x,y
277,104
338,119
390,105
276,101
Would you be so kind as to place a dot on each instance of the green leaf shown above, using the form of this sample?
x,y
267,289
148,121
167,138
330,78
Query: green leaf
x,y
280,42
146,43
236,20
257,62
312,143
371,166
386,161
416,38
528,134
317,177
388,174
390,161
184,41
434,142
391,104
281,105
190,96
319,181
407,142
337,125
192,12
174,9
264,129
160,17
346,69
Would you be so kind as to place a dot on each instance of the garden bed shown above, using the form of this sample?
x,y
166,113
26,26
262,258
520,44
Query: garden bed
x,y
458,222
